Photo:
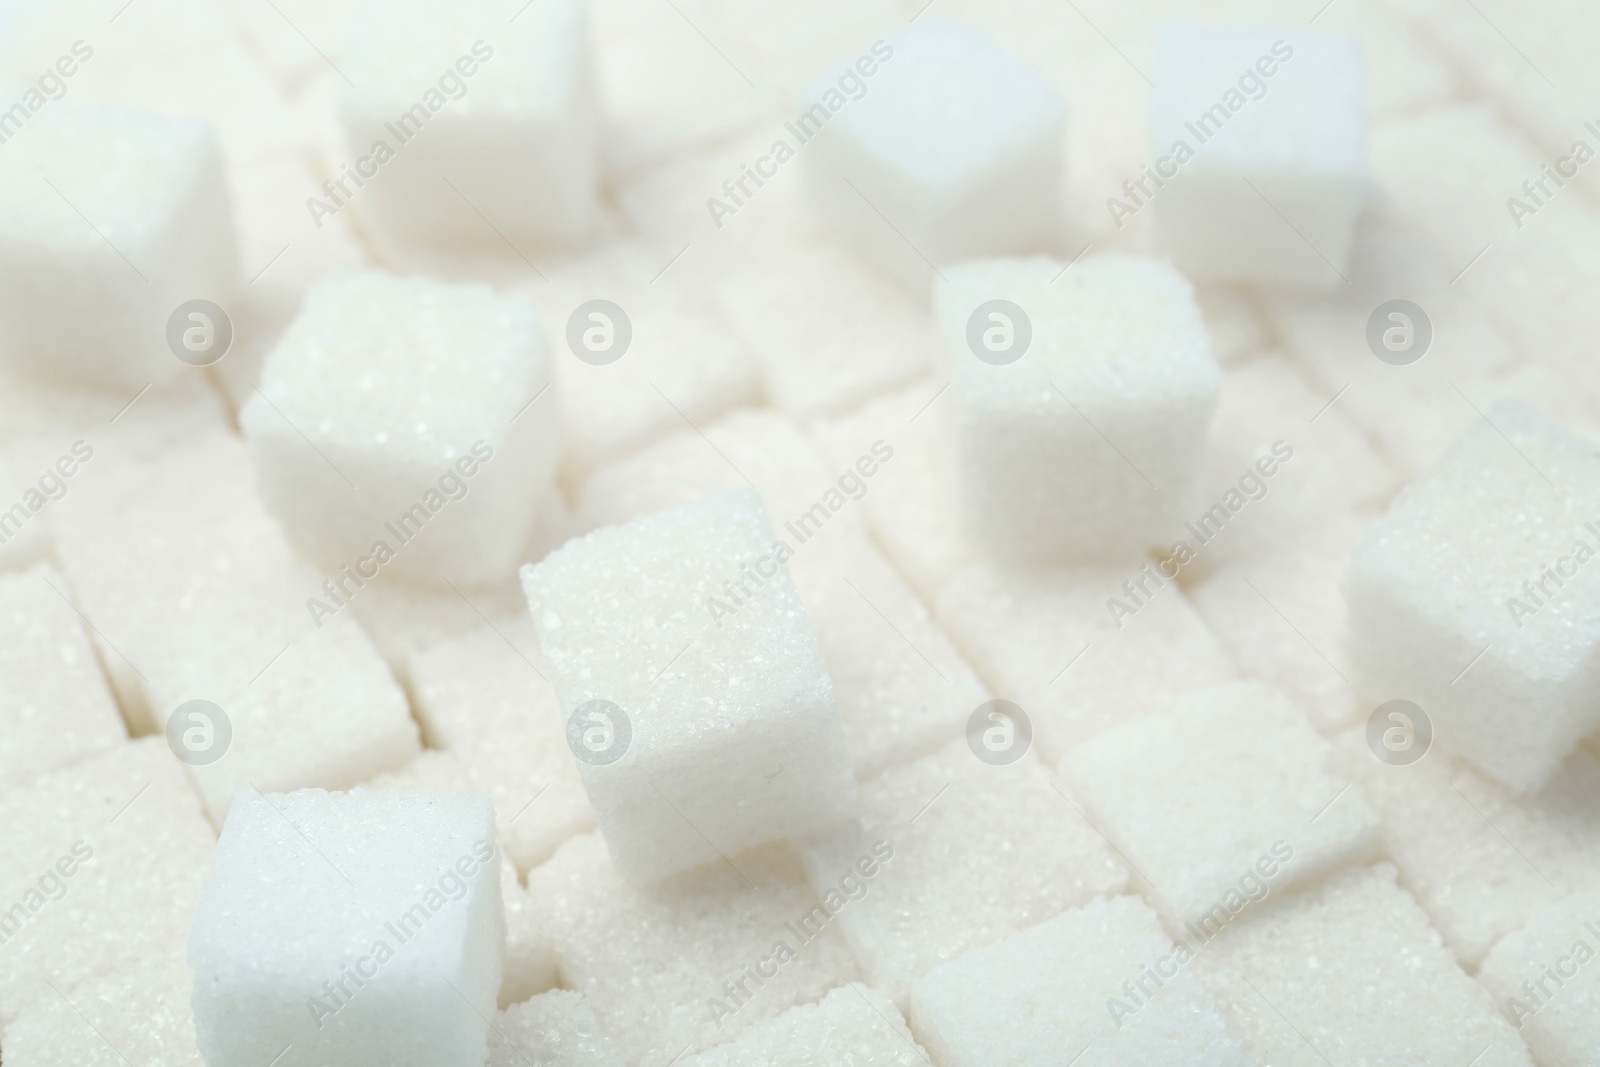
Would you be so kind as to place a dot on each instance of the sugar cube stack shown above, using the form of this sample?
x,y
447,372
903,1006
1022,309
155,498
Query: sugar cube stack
x,y
353,927
1094,379
401,410
653,651
1259,142
1508,622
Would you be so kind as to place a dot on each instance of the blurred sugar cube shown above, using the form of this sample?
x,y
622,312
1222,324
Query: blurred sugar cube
x,y
467,125
1475,596
408,427
109,221
359,928
1084,397
932,146
1542,978
854,1022
1260,147
680,638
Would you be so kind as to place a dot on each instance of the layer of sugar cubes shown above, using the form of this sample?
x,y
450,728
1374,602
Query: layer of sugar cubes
x,y
721,705
360,927
1084,394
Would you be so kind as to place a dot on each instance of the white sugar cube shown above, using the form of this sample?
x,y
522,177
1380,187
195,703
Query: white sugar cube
x,y
1083,402
1542,977
1260,147
111,221
1054,991
138,1014
407,427
24,535
1263,810
101,867
853,1026
1351,972
530,963
1471,596
554,1029
719,729
924,876
932,146
1081,650
55,709
693,961
360,928
468,127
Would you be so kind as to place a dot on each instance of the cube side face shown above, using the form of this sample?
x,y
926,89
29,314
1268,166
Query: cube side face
x,y
1558,1021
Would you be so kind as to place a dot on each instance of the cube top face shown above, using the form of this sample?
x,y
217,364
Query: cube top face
x,y
415,369
132,173
469,55
305,882
946,105
1113,330
649,616
1214,94
1485,547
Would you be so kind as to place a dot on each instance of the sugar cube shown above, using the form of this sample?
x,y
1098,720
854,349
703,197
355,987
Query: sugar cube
x,y
530,963
471,127
314,897
139,1013
1261,143
24,537
695,960
1263,809
113,221
1053,992
1083,401
853,1026
101,867
1543,979
946,147
56,709
1469,596
554,1029
1351,972
714,722
952,853
402,424
1081,650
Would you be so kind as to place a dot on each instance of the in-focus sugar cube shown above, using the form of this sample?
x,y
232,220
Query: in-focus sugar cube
x,y
1260,145
55,708
1262,810
1474,596
468,126
110,220
406,427
1546,982
1083,400
927,873
853,1026
717,728
1060,990
932,146
554,1029
358,928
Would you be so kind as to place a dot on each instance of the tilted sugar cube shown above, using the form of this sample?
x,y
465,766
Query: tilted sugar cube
x,y
111,221
1081,650
1052,992
1263,808
1084,396
101,867
932,146
1260,148
1544,978
719,729
1351,972
694,960
467,127
554,1029
407,427
359,928
853,1026
55,709
927,874
1472,596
